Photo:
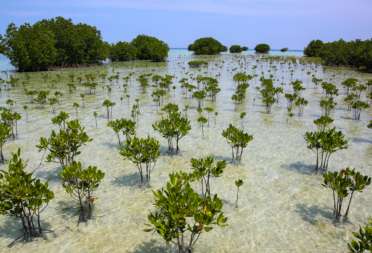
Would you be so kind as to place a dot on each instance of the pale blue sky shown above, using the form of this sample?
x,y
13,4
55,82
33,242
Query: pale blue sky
x,y
279,23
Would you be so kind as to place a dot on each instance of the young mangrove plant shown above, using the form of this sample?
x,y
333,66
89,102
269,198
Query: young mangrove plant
x,y
325,143
357,107
5,133
202,121
238,183
242,115
23,197
322,123
76,106
61,119
95,117
365,239
181,212
64,146
301,102
327,106
143,153
238,140
205,169
80,183
342,184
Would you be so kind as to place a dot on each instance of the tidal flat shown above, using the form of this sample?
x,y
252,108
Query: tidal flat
x,y
282,205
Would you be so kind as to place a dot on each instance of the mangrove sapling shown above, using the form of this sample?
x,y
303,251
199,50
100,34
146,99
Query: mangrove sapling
x,y
342,183
80,183
238,140
327,106
289,115
202,121
324,144
143,153
209,110
189,213
22,196
349,83
238,183
206,169
199,95
64,146
25,108
357,107
350,99
52,102
301,102
82,98
108,104
117,126
215,117
5,133
365,239
242,115
61,119
95,117
323,122
129,128
76,106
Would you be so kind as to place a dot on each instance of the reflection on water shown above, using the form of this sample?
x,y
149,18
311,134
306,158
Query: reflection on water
x,y
282,205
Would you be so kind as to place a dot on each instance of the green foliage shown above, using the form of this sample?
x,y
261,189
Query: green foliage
x,y
262,48
342,184
330,89
327,106
238,183
190,47
313,49
80,183
365,239
301,102
143,153
206,169
173,127
54,42
325,143
322,123
236,49
107,103
122,51
199,95
22,196
207,46
350,83
202,121
61,119
245,48
150,48
357,107
5,133
180,210
197,64
238,140
355,53
64,146
285,49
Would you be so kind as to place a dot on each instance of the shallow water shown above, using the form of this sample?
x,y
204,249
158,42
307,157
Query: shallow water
x,y
282,205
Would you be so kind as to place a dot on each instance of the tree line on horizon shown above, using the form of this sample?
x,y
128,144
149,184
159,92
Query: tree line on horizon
x,y
355,53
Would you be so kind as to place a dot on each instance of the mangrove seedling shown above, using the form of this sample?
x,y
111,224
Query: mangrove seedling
x,y
342,184
209,110
365,239
26,107
325,143
76,106
143,153
190,213
215,117
64,146
5,133
205,169
322,123
202,121
238,140
238,183
301,102
61,119
80,183
23,197
242,115
82,98
95,117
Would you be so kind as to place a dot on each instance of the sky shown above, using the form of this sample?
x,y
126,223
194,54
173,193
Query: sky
x,y
279,23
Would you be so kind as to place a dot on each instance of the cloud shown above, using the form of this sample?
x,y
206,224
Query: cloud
x,y
272,8
20,13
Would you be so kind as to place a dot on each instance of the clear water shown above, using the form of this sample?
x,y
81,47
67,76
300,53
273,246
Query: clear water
x,y
282,205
